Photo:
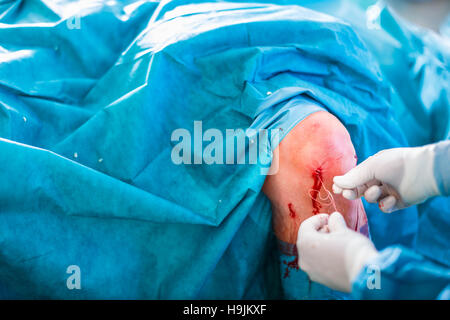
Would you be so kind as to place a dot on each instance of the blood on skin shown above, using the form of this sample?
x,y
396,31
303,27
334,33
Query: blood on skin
x,y
291,211
317,176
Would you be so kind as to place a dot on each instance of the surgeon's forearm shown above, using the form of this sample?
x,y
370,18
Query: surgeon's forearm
x,y
442,168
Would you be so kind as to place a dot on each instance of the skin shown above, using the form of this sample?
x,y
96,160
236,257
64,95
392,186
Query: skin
x,y
319,141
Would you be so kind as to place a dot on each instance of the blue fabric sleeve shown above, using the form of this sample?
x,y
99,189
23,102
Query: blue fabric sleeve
x,y
441,167
400,273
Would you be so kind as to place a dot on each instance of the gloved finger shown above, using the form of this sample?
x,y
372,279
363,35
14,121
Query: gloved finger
x,y
350,194
372,194
357,176
336,222
336,189
313,223
359,191
387,204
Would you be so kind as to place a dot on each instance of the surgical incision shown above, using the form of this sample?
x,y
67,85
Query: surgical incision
x,y
315,194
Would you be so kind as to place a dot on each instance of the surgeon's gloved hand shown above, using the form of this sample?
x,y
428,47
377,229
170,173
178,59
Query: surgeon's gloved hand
x,y
331,253
395,178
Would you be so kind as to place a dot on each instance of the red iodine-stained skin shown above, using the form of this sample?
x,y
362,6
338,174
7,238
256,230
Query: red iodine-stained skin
x,y
314,151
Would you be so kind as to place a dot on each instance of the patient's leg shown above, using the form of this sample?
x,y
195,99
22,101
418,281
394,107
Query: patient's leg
x,y
315,151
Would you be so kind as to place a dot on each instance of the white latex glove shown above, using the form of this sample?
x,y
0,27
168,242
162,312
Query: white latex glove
x,y
331,253
395,178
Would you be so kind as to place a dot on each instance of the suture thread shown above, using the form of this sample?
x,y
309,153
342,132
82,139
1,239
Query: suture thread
x,y
314,193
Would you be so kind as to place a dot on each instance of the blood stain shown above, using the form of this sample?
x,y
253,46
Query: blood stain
x,y
317,176
291,211
290,265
